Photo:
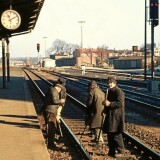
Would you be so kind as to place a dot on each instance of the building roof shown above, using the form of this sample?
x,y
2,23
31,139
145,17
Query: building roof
x,y
29,11
131,58
128,58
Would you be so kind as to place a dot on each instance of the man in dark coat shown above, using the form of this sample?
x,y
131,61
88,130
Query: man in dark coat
x,y
115,118
94,110
54,101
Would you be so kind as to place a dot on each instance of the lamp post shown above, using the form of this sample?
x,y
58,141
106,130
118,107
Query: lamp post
x,y
45,45
81,22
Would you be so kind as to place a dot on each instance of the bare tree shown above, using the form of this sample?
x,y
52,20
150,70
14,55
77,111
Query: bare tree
x,y
61,47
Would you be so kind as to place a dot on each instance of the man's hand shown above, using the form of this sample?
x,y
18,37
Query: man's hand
x,y
58,117
106,103
62,100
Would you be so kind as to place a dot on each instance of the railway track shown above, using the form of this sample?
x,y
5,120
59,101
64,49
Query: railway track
x,y
139,96
64,149
120,74
150,115
146,114
78,120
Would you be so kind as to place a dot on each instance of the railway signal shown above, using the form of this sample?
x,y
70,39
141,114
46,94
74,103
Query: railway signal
x,y
154,20
38,47
154,11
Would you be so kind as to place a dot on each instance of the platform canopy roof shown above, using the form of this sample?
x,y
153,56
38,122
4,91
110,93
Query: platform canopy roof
x,y
29,11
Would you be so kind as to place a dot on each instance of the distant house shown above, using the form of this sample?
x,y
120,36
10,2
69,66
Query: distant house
x,y
48,63
130,62
85,57
66,62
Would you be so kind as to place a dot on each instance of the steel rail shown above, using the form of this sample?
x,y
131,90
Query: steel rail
x,y
149,153
84,154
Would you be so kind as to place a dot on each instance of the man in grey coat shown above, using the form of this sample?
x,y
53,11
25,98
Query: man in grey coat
x,y
115,118
95,109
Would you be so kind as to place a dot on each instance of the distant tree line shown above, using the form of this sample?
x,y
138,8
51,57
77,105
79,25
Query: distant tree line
x,y
62,47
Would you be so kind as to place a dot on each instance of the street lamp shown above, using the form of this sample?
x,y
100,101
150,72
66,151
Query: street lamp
x,y
45,45
81,22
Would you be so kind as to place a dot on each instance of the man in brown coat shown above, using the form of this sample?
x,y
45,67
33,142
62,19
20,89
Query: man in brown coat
x,y
94,110
115,118
54,101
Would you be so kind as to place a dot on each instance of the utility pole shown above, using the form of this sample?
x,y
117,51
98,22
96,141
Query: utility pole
x,y
45,45
152,50
81,22
145,42
154,19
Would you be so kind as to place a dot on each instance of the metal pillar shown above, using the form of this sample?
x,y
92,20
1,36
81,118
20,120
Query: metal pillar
x,y
145,42
152,49
81,33
3,63
38,58
81,37
8,56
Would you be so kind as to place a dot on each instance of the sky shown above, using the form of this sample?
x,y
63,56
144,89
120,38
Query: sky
x,y
118,24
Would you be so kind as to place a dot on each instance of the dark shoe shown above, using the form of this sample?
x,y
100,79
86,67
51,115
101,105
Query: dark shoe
x,y
111,154
51,146
123,151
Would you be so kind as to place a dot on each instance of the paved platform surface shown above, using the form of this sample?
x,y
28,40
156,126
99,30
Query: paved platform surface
x,y
20,134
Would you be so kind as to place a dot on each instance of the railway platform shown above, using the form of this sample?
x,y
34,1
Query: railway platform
x,y
20,134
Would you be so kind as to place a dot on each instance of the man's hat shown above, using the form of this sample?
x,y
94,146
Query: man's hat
x,y
61,80
112,79
92,83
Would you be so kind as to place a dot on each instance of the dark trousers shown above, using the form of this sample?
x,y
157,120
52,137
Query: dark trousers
x,y
115,141
52,127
